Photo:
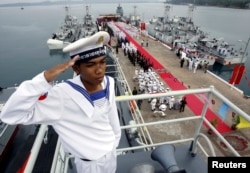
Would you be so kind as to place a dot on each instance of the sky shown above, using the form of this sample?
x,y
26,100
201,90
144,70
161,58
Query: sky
x,y
17,1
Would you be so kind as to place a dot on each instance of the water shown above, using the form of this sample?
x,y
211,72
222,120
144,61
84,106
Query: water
x,y
24,52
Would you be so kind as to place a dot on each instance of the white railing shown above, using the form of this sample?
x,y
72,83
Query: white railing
x,y
61,158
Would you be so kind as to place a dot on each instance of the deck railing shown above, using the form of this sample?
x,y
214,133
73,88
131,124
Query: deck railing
x,y
61,159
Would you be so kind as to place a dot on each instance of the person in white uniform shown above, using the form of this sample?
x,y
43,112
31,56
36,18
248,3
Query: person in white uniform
x,y
153,104
163,108
82,110
171,102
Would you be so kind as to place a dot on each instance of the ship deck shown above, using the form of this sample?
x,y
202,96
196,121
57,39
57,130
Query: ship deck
x,y
186,79
142,162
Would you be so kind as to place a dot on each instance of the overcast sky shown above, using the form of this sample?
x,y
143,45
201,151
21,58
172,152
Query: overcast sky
x,y
16,1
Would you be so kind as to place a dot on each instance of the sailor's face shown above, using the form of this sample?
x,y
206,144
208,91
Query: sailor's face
x,y
93,71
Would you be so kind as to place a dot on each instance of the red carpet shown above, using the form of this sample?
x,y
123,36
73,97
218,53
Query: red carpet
x,y
194,103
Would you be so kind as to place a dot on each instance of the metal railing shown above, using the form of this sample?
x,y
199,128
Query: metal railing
x,y
61,158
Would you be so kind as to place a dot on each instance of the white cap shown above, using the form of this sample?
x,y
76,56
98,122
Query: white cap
x,y
89,47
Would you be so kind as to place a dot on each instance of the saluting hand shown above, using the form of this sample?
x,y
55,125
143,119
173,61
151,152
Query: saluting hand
x,y
55,71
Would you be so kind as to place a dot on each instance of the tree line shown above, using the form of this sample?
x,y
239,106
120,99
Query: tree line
x,y
244,4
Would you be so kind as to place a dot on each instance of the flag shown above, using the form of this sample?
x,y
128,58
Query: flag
x,y
234,75
223,110
243,123
143,26
42,97
239,75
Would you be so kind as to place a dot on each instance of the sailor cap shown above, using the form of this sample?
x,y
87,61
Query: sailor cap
x,y
89,47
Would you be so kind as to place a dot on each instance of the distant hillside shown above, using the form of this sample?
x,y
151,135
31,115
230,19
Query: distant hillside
x,y
23,4
244,4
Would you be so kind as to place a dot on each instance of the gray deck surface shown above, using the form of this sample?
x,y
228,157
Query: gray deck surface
x,y
126,163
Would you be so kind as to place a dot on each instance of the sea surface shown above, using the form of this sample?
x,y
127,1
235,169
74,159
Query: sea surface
x,y
23,35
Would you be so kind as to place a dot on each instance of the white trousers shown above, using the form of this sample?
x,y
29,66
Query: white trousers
x,y
106,164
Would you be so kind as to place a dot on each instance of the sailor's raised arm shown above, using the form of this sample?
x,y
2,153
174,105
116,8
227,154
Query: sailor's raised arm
x,y
52,73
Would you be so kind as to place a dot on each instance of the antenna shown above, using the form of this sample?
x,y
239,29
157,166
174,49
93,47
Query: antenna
x,y
191,8
166,12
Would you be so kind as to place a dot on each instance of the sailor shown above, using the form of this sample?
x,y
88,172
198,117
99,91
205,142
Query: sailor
x,y
161,100
171,102
190,64
163,108
136,76
136,72
153,103
167,98
82,110
142,41
196,63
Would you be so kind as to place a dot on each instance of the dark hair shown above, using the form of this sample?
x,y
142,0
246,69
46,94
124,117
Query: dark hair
x,y
79,62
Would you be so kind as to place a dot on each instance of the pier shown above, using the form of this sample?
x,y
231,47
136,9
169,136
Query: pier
x,y
167,67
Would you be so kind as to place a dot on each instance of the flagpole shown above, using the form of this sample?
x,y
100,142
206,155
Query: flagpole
x,y
245,50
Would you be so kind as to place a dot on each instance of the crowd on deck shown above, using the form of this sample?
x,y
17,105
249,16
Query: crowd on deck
x,y
147,80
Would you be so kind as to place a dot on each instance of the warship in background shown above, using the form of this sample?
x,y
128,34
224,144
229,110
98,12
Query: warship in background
x,y
183,36
88,27
68,32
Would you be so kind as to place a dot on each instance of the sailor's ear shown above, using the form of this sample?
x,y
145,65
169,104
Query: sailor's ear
x,y
76,68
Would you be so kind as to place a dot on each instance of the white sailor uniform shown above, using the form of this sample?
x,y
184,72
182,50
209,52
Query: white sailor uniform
x,y
82,125
163,108
87,124
171,102
153,104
